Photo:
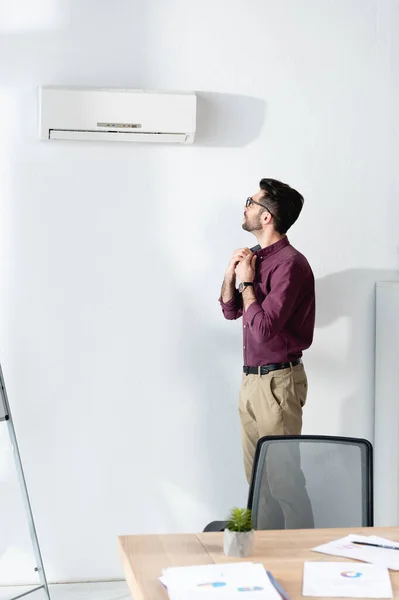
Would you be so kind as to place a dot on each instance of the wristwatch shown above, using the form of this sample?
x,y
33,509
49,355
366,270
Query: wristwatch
x,y
242,286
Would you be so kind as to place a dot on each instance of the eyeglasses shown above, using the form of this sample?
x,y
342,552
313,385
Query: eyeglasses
x,y
249,201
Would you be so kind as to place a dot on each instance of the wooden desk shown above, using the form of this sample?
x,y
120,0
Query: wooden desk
x,y
282,552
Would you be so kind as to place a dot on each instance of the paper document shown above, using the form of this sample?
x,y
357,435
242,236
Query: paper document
x,y
346,580
377,556
244,581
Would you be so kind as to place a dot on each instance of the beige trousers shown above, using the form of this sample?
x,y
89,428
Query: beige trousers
x,y
270,405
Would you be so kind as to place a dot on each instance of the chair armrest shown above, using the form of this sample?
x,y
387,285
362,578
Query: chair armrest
x,y
216,526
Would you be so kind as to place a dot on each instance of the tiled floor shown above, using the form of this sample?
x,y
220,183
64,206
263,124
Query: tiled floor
x,y
117,590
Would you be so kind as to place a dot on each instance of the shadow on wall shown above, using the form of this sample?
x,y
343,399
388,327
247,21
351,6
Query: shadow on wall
x,y
228,120
351,294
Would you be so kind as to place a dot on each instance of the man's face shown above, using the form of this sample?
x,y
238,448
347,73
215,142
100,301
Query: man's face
x,y
253,213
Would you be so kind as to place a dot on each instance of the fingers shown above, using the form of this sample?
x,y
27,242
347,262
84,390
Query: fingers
x,y
241,253
248,259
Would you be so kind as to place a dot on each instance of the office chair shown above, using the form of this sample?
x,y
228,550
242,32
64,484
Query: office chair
x,y
308,481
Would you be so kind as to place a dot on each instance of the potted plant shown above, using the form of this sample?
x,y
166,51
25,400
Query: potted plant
x,y
238,534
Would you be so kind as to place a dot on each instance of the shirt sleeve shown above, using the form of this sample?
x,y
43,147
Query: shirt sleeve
x,y
233,308
267,319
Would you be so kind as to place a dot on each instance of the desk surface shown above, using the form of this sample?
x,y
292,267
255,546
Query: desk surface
x,y
282,552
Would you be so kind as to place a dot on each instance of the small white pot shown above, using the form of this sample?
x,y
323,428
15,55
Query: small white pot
x,y
238,543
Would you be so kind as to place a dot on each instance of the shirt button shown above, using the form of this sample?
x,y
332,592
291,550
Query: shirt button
x,y
244,347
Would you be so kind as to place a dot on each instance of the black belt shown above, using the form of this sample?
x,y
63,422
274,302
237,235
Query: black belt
x,y
265,369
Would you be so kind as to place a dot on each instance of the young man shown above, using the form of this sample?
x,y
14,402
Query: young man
x,y
276,299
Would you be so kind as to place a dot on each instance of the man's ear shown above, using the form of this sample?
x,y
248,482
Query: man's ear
x,y
266,217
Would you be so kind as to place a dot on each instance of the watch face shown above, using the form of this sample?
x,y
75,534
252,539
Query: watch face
x,y
241,288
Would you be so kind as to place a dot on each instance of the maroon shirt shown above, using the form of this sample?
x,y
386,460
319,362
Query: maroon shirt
x,y
280,325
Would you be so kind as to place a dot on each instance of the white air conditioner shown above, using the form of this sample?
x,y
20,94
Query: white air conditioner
x,y
117,115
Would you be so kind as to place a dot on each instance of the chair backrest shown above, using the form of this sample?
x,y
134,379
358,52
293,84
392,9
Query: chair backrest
x,y
301,482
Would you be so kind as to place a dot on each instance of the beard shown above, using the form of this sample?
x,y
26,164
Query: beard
x,y
253,224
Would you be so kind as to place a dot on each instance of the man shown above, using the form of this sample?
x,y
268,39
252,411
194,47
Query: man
x,y
276,299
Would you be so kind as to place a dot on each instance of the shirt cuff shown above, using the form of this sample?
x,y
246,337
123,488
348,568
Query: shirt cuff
x,y
230,304
251,313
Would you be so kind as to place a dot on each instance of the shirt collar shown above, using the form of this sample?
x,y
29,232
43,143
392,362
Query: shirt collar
x,y
273,248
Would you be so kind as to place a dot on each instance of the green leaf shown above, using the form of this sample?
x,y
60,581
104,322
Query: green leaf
x,y
239,519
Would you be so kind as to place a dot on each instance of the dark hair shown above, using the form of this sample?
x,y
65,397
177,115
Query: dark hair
x,y
283,202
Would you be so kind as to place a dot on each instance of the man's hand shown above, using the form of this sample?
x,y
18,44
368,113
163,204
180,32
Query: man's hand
x,y
237,257
245,270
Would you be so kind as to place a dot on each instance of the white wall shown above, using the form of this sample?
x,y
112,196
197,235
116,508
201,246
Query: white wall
x,y
121,372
